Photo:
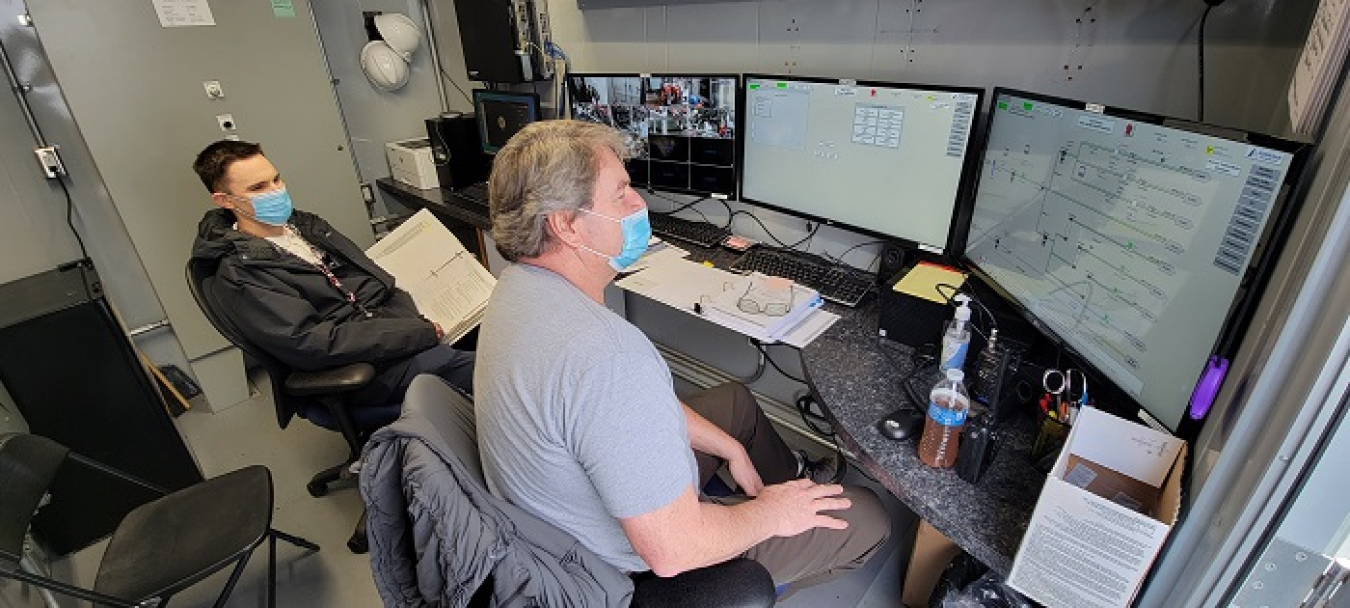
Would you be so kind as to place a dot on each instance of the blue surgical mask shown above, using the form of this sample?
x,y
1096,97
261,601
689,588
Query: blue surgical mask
x,y
637,231
272,208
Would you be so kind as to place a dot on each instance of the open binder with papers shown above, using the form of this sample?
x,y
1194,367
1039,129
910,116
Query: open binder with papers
x,y
762,306
448,284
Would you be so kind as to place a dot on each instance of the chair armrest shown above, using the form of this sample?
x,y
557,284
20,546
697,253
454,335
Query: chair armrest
x,y
328,381
738,583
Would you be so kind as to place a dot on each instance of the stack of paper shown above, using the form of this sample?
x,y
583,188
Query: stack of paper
x,y
762,306
1319,65
448,284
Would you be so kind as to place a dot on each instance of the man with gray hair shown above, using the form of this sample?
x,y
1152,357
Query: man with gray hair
x,y
578,421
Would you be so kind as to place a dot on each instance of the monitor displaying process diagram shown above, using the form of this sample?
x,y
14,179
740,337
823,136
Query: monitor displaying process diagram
x,y
1126,238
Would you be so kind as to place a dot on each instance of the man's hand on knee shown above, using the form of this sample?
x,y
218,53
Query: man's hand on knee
x,y
799,505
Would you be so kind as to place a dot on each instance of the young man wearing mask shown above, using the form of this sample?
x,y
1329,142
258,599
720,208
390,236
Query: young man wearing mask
x,y
578,421
303,292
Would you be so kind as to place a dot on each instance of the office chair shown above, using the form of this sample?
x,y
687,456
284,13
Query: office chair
x,y
442,419
317,396
159,548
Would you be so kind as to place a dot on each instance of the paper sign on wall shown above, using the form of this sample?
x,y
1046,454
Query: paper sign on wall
x,y
183,13
283,8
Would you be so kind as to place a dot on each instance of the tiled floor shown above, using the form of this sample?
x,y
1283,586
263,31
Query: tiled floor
x,y
334,577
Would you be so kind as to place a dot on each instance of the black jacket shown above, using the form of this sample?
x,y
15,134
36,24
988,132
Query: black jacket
x,y
289,308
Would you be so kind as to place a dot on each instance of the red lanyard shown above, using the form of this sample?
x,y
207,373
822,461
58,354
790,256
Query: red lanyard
x,y
322,267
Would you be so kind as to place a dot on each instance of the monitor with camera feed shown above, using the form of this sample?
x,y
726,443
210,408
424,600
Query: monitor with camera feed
x,y
681,128
1134,240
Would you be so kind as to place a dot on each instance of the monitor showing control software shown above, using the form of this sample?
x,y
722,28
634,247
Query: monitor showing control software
x,y
1125,236
883,158
501,114
681,127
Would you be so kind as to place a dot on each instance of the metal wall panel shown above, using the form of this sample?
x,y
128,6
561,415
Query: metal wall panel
x,y
135,91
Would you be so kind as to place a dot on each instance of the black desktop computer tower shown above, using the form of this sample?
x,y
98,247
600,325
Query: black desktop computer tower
x,y
457,150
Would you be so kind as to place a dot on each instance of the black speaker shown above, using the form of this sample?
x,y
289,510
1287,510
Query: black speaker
x,y
77,379
456,150
893,260
487,32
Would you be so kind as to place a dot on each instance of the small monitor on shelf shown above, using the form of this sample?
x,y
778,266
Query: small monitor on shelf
x,y
1136,241
885,159
501,114
681,127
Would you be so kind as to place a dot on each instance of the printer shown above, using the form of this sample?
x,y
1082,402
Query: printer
x,y
410,162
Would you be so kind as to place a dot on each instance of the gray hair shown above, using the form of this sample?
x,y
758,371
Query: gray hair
x,y
549,166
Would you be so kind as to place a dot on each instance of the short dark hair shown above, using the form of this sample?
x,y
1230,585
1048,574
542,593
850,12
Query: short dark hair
x,y
215,160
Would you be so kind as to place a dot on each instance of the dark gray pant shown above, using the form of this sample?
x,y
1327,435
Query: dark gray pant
x,y
453,365
812,557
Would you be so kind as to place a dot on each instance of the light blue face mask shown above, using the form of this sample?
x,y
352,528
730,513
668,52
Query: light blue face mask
x,y
272,208
637,230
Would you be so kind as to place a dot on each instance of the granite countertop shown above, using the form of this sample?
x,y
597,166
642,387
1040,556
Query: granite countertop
x,y
439,201
857,375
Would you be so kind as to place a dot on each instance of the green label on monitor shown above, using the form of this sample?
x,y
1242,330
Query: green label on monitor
x,y
782,85
1002,105
1026,105
754,86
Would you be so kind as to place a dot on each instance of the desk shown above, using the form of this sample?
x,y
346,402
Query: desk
x,y
855,375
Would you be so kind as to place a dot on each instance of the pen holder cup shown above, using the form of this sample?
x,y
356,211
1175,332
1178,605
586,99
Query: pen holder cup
x,y
1050,436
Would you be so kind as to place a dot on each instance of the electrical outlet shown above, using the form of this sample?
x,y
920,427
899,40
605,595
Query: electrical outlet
x,y
51,163
213,89
226,122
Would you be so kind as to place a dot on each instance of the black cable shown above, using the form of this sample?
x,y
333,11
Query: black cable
x,y
70,221
804,410
760,347
1200,51
766,228
457,87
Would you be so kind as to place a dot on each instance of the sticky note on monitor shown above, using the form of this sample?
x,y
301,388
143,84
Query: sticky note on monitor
x,y
923,280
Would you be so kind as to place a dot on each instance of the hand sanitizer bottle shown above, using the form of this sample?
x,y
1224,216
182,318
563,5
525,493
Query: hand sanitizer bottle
x,y
956,340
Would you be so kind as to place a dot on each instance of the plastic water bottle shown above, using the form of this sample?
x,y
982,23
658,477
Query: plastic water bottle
x,y
948,406
956,340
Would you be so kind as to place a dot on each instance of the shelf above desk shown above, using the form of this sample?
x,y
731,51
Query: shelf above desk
x,y
857,377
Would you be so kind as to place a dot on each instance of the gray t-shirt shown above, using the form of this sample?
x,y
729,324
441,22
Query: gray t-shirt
x,y
578,422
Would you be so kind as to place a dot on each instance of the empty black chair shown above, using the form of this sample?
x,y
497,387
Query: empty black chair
x,y
159,548
317,396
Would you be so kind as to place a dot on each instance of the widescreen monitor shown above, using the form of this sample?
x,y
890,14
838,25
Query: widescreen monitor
x,y
681,127
1127,237
501,114
882,158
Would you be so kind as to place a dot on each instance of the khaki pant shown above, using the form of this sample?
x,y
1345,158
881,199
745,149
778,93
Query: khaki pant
x,y
812,557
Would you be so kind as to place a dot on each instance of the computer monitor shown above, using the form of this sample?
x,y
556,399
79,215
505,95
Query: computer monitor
x,y
881,158
501,114
681,127
1128,238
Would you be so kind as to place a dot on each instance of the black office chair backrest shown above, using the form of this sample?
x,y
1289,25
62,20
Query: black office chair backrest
x,y
201,275
28,465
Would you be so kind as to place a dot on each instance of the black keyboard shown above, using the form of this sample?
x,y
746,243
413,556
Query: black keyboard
x,y
835,282
476,193
702,234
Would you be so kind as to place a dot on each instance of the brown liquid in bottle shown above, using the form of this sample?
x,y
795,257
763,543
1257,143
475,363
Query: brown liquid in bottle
x,y
938,446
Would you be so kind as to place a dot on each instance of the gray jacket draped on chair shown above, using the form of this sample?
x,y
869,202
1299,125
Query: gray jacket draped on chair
x,y
436,533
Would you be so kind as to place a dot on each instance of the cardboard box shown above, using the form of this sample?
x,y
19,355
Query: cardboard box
x,y
1085,549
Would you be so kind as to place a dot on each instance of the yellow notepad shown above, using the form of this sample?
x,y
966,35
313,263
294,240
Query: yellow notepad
x,y
922,282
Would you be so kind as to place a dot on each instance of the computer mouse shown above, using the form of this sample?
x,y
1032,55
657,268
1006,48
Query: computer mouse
x,y
901,424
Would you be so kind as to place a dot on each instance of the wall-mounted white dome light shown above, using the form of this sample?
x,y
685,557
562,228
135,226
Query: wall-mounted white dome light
x,y
399,32
384,67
